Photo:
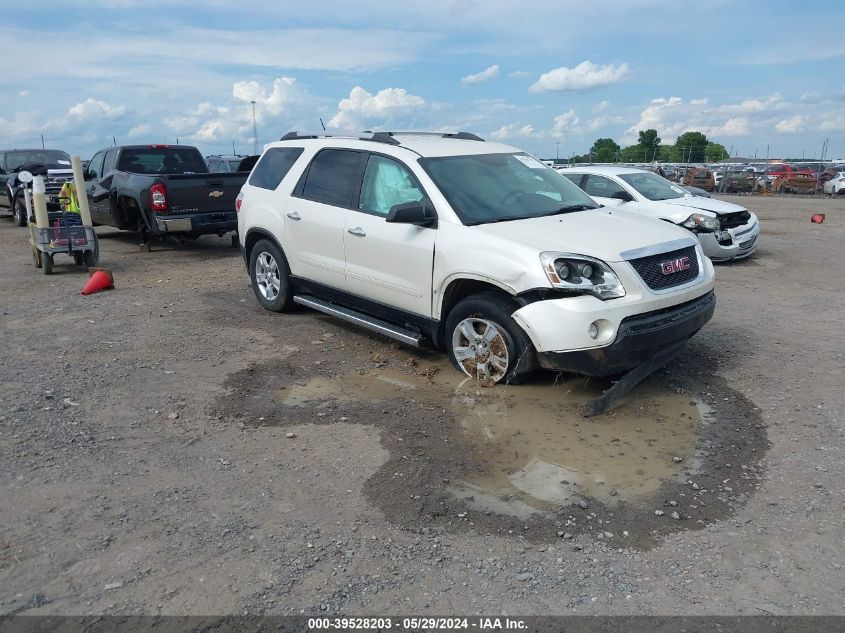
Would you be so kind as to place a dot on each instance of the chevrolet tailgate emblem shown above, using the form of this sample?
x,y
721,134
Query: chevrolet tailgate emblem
x,y
215,194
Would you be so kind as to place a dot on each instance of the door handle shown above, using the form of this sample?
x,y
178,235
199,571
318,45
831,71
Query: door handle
x,y
295,216
357,231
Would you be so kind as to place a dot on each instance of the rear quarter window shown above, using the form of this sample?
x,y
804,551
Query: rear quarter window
x,y
331,177
274,166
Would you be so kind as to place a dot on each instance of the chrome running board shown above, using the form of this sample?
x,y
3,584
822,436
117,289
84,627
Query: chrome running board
x,y
365,321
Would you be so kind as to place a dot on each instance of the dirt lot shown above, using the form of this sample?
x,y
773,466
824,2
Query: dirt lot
x,y
170,447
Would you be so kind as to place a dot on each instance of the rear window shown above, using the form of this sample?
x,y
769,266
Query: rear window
x,y
162,160
273,166
331,177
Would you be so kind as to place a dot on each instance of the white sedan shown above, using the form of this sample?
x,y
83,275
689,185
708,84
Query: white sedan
x,y
836,185
726,231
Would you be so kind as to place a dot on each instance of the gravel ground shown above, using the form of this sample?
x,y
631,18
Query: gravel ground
x,y
157,458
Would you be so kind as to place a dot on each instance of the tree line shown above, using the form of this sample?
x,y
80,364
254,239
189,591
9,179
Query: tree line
x,y
689,147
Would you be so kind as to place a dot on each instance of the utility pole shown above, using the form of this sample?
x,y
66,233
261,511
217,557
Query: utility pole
x,y
254,131
233,148
557,151
42,141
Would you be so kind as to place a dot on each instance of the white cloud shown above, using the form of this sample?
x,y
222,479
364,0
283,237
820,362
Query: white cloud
x,y
485,75
792,125
95,108
515,130
139,131
673,116
600,122
519,74
380,108
584,76
23,93
601,106
565,123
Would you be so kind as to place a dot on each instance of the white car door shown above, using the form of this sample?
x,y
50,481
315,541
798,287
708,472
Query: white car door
x,y
602,189
386,262
316,214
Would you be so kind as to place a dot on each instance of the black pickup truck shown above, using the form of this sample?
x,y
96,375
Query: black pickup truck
x,y
52,164
159,190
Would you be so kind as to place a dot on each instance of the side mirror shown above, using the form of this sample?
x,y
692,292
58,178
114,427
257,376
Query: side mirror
x,y
418,213
622,195
86,175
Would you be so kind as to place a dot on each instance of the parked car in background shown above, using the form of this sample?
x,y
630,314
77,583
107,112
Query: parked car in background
x,y
218,164
795,182
52,164
726,231
835,185
699,177
782,170
161,189
476,247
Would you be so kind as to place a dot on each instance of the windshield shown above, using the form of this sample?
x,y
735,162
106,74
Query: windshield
x,y
15,160
652,186
499,187
162,160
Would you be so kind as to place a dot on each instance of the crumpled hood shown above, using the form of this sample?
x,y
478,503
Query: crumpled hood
x,y
718,207
601,233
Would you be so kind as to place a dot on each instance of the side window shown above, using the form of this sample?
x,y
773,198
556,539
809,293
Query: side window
x,y
95,167
108,163
601,186
575,179
331,177
274,166
213,166
387,183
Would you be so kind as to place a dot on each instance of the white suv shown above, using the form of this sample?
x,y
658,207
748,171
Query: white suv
x,y
475,247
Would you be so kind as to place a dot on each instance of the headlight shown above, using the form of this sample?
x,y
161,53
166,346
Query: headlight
x,y
701,222
581,275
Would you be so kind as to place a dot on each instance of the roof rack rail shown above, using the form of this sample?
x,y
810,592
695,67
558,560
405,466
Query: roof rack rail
x,y
383,137
290,136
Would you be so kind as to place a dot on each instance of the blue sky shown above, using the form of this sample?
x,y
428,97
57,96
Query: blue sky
x,y
545,76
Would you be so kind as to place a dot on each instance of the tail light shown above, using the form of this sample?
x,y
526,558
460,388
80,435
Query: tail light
x,y
238,201
158,198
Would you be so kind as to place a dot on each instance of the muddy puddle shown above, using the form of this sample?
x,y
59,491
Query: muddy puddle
x,y
522,457
537,449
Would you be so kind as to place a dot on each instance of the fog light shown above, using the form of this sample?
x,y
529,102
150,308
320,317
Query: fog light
x,y
593,331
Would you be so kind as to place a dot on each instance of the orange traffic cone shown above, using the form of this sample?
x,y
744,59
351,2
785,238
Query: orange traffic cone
x,y
100,279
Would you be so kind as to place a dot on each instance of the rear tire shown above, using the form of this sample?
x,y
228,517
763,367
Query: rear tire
x,y
270,277
485,343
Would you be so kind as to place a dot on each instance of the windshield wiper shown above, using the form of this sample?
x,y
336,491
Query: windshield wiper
x,y
569,209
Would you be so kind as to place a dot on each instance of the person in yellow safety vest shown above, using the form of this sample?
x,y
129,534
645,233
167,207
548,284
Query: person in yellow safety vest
x,y
67,198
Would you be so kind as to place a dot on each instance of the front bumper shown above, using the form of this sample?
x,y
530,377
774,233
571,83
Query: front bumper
x,y
638,339
743,242
201,223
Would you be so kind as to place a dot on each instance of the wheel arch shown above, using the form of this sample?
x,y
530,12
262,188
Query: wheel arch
x,y
457,288
256,234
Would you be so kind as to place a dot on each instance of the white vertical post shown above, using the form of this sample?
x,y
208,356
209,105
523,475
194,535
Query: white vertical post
x,y
39,201
27,202
81,195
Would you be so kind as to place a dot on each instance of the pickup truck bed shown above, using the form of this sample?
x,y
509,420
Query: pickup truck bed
x,y
161,189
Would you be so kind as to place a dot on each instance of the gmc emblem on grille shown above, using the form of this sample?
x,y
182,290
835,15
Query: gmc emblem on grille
x,y
675,265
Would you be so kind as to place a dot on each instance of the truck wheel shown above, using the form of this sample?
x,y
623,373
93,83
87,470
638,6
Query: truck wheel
x,y
19,211
486,343
270,277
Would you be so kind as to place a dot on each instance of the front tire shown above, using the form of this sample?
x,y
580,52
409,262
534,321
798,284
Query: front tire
x,y
270,277
19,211
485,342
